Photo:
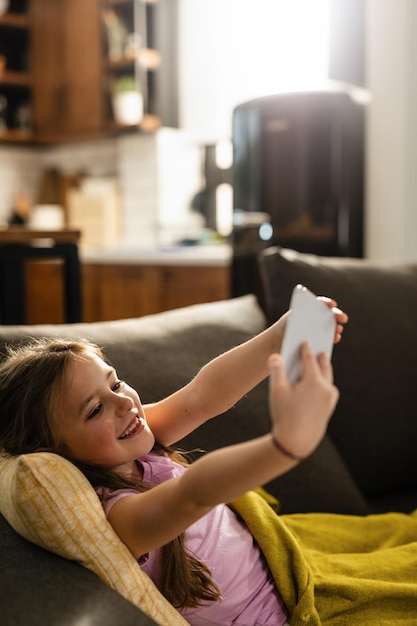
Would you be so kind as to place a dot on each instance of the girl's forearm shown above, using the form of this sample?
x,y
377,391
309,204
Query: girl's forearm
x,y
234,373
218,386
227,473
149,520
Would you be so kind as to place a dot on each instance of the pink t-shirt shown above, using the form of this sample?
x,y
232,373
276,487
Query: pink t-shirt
x,y
250,597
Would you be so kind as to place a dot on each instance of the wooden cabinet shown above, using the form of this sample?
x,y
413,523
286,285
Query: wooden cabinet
x,y
66,60
119,291
44,292
16,80
58,66
122,291
185,285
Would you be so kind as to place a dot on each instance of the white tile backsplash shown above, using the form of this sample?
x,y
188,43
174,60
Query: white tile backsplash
x,y
97,158
20,171
158,175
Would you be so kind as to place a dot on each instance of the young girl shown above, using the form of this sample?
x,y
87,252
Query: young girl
x,y
67,399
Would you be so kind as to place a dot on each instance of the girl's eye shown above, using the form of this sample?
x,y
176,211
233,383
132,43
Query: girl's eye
x,y
96,411
117,385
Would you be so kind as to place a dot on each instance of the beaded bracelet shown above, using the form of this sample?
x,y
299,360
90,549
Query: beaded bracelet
x,y
284,450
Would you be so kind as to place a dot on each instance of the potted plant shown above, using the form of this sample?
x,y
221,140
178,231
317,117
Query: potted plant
x,y
127,100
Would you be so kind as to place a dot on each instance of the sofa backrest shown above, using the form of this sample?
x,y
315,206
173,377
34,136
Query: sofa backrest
x,y
375,424
159,353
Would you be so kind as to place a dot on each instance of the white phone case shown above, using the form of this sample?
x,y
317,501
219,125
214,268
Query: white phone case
x,y
310,320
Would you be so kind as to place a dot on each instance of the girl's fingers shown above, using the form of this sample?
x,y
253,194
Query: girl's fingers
x,y
325,366
276,369
341,317
310,364
338,333
329,301
316,365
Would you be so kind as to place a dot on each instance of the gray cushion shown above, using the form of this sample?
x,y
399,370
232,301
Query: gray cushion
x,y
375,424
156,354
38,588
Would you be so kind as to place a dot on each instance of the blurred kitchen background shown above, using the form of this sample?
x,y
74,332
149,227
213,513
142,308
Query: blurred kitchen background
x,y
254,123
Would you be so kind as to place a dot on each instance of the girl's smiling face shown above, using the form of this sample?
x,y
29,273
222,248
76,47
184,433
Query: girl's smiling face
x,y
102,420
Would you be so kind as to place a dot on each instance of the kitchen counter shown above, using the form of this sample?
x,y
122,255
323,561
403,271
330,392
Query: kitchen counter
x,y
214,255
130,282
127,282
24,235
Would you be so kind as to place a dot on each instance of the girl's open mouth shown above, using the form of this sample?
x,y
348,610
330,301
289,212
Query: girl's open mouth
x,y
131,430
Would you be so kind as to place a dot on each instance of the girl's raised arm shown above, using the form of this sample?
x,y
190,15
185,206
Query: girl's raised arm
x,y
300,414
221,383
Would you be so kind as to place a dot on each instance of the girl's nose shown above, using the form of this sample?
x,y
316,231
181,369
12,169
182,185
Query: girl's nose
x,y
124,404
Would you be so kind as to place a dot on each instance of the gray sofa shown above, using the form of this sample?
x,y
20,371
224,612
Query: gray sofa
x,y
367,461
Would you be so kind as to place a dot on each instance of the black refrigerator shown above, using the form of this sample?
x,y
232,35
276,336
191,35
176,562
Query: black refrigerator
x,y
298,177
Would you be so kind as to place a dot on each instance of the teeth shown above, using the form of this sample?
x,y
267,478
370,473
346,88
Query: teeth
x,y
131,430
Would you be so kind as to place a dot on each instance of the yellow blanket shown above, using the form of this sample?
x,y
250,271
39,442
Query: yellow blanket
x,y
336,570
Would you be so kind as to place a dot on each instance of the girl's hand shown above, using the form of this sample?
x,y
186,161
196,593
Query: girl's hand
x,y
278,329
341,317
300,413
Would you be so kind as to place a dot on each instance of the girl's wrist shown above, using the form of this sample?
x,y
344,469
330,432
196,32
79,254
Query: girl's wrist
x,y
284,450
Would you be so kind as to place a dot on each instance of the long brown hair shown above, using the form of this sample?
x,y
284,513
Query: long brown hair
x,y
32,377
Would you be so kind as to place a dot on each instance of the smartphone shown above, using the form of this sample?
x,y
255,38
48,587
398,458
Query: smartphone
x,y
310,320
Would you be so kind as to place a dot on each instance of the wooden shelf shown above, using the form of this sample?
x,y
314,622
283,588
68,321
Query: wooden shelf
x,y
140,59
121,64
120,2
147,58
15,20
15,25
16,79
115,2
149,124
16,136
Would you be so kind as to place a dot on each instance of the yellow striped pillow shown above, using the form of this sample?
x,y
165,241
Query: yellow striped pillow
x,y
49,501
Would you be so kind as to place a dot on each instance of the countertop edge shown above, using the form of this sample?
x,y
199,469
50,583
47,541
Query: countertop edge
x,y
196,256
